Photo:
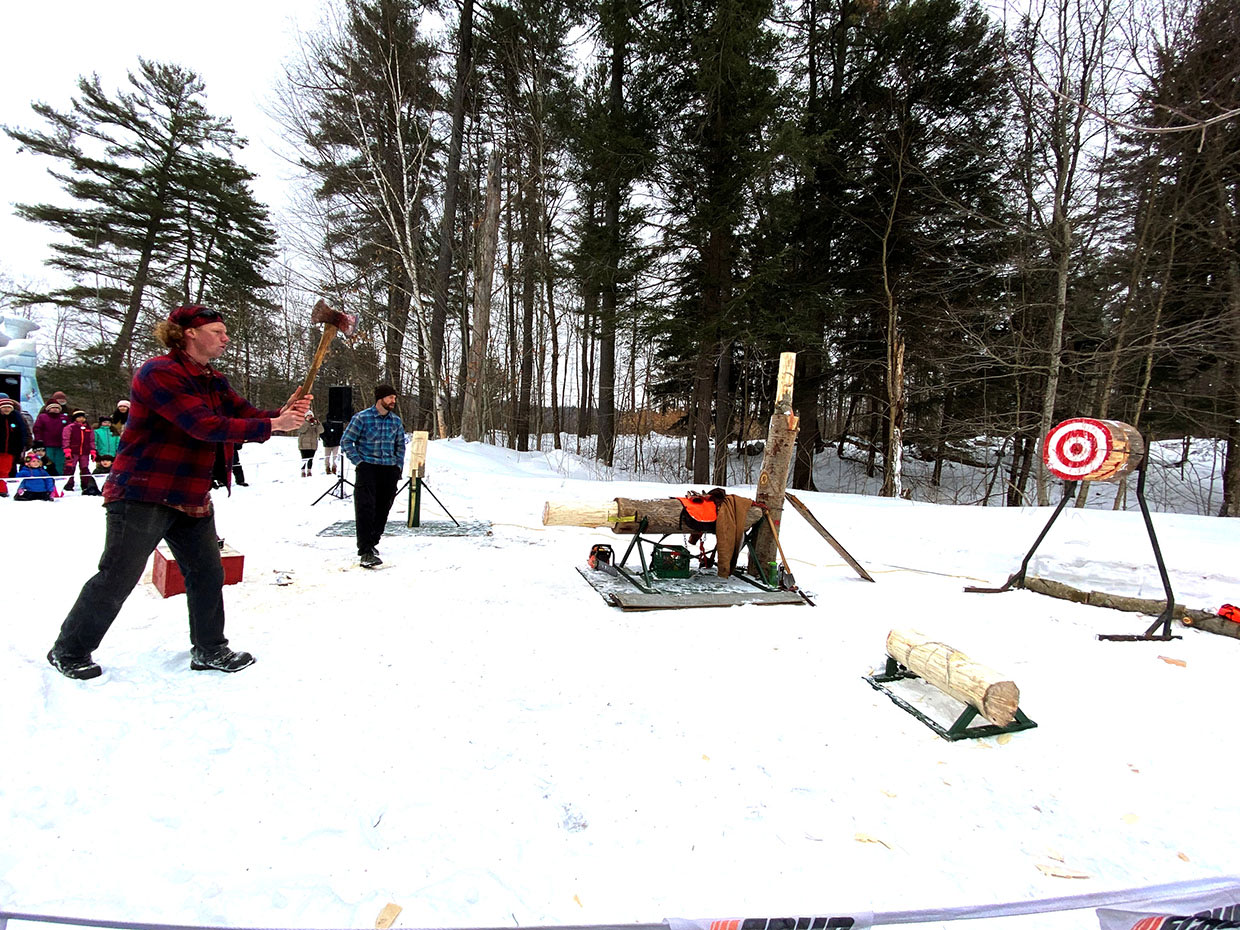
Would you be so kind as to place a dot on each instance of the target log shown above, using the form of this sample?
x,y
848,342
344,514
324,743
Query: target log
x,y
954,673
1083,449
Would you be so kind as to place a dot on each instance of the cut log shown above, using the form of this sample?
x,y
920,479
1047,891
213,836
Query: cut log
x,y
1142,605
579,514
954,673
662,516
624,516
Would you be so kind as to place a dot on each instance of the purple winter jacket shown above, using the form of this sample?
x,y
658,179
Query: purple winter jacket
x,y
49,429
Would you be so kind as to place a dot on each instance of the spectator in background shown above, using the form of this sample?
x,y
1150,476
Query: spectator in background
x,y
103,464
308,442
106,441
78,442
331,445
120,416
14,440
36,484
49,428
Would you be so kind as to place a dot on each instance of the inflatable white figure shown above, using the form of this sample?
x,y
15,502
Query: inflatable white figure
x,y
17,353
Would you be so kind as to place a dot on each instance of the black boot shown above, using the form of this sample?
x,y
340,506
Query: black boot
x,y
219,659
79,667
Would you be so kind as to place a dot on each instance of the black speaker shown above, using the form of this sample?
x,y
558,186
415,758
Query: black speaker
x,y
11,384
340,402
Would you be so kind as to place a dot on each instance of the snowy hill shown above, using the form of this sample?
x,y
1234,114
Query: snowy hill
x,y
474,734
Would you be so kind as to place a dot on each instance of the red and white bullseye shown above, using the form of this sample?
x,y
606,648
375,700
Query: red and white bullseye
x,y
1082,449
1076,448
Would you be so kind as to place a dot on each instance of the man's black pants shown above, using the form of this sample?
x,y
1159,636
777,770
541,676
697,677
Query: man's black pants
x,y
134,529
374,489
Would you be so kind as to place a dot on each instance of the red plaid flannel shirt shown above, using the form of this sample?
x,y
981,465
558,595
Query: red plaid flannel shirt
x,y
180,415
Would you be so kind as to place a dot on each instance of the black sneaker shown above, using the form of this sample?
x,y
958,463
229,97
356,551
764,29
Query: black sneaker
x,y
219,659
370,560
79,667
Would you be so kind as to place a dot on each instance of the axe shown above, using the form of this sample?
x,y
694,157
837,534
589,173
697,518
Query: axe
x,y
333,321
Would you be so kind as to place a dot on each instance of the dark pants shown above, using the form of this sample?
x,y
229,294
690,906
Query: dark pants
x,y
307,460
374,489
134,529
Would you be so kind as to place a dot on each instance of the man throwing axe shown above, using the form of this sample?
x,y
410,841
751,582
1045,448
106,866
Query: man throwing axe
x,y
374,441
184,421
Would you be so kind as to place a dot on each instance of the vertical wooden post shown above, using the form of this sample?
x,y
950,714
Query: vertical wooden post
x,y
415,468
781,439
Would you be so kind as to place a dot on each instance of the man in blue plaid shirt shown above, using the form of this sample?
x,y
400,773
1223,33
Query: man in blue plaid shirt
x,y
374,441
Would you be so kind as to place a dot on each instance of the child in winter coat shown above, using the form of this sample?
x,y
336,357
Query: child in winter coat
x,y
36,484
103,464
14,437
120,416
49,427
78,442
106,441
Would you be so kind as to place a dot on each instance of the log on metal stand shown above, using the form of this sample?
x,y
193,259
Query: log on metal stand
x,y
625,516
781,441
954,673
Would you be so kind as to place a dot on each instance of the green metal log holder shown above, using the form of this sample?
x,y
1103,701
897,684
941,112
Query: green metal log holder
x,y
958,730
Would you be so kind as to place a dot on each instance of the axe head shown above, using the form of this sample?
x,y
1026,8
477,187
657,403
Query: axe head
x,y
345,323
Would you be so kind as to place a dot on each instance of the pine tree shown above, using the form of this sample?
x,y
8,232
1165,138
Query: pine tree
x,y
158,198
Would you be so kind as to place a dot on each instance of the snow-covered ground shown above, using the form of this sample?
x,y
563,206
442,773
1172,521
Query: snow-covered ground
x,y
473,734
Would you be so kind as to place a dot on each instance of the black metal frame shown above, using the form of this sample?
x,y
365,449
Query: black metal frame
x,y
1017,579
645,581
958,730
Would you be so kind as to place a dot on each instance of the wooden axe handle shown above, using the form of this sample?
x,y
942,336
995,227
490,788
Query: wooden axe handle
x,y
329,333
778,544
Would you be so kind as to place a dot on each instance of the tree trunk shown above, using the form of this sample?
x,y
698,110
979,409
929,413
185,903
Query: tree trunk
x,y
611,272
447,226
809,438
781,440
723,415
529,270
703,385
488,242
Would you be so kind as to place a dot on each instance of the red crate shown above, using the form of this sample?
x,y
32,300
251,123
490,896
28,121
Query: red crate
x,y
167,578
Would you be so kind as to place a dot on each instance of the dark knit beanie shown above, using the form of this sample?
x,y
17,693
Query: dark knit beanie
x,y
383,390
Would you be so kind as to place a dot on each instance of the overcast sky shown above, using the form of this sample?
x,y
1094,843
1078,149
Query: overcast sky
x,y
238,47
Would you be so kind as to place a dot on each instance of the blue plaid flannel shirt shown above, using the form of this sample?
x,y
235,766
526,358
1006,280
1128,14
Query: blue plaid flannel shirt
x,y
375,439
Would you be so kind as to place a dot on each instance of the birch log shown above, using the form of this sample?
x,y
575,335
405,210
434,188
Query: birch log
x,y
781,441
954,673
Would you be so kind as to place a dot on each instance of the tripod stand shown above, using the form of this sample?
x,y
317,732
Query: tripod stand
x,y
340,489
415,485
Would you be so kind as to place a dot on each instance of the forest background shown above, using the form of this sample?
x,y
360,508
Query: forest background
x,y
565,218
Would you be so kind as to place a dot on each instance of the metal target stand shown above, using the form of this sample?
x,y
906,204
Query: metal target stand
x,y
1017,579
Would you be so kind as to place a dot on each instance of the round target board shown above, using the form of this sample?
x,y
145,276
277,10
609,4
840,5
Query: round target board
x,y
1082,449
